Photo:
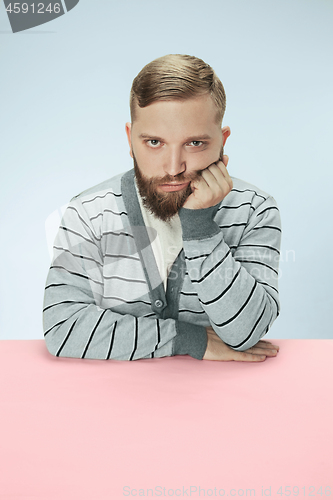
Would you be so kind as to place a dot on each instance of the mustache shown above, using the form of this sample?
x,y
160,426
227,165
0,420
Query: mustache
x,y
180,178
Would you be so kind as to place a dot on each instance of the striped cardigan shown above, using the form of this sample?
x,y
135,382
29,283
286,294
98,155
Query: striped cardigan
x,y
104,297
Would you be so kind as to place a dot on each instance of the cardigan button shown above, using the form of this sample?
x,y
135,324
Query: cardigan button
x,y
158,303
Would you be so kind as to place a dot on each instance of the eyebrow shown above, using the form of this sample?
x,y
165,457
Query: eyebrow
x,y
189,139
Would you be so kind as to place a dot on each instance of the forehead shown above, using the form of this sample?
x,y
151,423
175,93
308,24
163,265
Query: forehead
x,y
177,117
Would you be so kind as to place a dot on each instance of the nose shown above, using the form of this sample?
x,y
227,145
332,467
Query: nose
x,y
174,163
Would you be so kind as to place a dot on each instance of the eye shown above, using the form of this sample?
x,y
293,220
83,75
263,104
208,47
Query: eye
x,y
153,142
196,143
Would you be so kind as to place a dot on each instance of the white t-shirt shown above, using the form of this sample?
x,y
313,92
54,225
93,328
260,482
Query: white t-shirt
x,y
168,242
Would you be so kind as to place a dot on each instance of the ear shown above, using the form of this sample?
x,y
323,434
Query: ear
x,y
225,134
128,128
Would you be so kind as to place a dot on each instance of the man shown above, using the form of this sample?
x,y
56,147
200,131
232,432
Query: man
x,y
173,257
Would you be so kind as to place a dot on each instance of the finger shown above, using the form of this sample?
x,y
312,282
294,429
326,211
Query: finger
x,y
265,351
225,159
267,343
222,167
246,356
215,181
213,177
200,182
219,171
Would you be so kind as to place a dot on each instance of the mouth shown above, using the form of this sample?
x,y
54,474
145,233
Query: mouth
x,y
174,187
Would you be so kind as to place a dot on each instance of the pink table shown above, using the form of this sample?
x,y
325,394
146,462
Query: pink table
x,y
170,427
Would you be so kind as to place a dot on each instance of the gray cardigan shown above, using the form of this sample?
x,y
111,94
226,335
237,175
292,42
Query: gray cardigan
x,y
104,297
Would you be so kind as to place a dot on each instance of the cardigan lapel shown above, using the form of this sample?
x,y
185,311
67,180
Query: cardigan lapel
x,y
143,237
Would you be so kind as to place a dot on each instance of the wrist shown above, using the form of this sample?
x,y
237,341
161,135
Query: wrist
x,y
198,223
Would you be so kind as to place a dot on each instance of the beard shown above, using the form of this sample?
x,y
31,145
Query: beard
x,y
164,205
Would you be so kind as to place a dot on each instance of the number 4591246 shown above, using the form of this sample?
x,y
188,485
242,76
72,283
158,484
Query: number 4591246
x,y
24,8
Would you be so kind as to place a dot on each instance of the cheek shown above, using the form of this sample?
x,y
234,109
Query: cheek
x,y
199,161
147,163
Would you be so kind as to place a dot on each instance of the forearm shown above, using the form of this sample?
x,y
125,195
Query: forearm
x,y
78,319
76,327
239,307
238,292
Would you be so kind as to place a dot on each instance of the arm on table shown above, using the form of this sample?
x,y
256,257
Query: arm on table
x,y
239,292
76,326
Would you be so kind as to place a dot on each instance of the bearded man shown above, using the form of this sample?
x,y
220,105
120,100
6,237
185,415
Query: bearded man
x,y
175,256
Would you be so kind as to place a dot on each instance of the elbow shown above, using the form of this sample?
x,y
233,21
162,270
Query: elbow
x,y
51,345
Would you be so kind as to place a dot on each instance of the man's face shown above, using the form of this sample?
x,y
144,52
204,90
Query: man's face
x,y
171,142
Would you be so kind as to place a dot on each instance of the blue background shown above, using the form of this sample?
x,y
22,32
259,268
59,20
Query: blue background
x,y
64,103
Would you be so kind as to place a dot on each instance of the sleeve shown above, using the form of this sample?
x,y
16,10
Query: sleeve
x,y
239,291
75,323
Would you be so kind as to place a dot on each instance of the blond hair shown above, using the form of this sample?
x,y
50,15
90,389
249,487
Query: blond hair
x,y
176,77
